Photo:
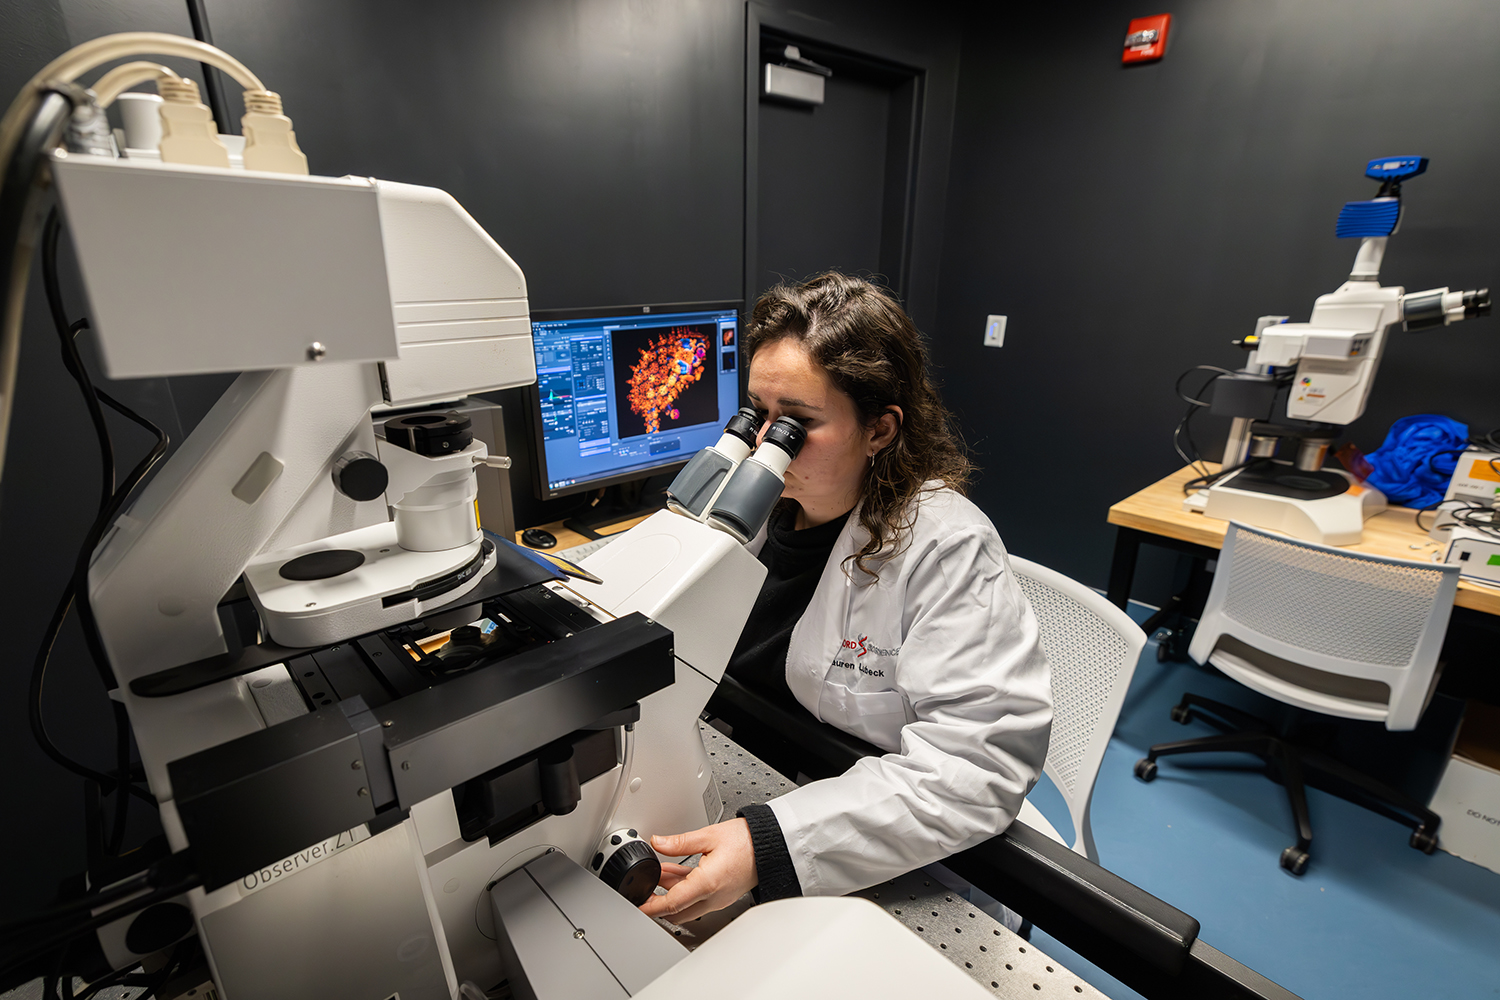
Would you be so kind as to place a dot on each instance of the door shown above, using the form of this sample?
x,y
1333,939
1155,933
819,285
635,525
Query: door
x,y
833,183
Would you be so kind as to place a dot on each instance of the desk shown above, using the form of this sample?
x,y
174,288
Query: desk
x,y
567,538
1155,516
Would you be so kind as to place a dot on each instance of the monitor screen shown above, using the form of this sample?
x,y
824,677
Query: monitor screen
x,y
627,391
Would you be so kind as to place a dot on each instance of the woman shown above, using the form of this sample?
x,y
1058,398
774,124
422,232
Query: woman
x,y
888,611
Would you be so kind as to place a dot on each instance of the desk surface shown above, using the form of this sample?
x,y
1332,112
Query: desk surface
x,y
567,538
1157,509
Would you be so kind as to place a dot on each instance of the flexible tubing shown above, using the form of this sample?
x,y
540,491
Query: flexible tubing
x,y
614,803
10,340
91,54
25,234
120,79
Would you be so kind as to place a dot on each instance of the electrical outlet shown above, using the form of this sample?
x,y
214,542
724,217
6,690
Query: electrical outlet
x,y
994,331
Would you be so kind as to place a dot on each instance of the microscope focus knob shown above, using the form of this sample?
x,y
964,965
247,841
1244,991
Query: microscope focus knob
x,y
633,870
360,476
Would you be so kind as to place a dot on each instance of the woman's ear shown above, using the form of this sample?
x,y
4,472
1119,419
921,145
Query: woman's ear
x,y
885,428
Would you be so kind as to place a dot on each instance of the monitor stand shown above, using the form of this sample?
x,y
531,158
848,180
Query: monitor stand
x,y
620,503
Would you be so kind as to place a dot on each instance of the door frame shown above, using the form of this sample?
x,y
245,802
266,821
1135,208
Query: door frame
x,y
898,217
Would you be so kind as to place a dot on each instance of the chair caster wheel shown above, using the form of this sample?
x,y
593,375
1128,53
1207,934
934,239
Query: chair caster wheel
x,y
1294,860
1145,769
1423,840
1171,645
1181,714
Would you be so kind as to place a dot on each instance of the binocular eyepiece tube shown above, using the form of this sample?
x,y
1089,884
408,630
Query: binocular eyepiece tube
x,y
698,485
746,499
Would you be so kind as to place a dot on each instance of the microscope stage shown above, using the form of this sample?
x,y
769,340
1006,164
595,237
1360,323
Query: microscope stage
x,y
357,582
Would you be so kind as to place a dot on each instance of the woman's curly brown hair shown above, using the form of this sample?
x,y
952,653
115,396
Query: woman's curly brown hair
x,y
873,354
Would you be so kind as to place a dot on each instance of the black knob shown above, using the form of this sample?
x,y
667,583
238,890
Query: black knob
x,y
466,635
633,871
431,434
158,926
360,476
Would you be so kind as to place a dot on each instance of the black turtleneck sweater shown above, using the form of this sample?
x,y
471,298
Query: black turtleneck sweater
x,y
794,562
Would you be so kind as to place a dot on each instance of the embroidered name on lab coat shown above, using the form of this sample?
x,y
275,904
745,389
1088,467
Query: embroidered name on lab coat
x,y
867,671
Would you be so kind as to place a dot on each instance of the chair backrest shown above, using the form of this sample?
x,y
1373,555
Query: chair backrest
x,y
1092,647
1338,632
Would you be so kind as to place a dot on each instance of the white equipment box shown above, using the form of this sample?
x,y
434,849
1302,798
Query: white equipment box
x,y
1468,797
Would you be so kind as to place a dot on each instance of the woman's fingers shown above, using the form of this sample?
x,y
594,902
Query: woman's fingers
x,y
682,845
685,893
672,874
725,872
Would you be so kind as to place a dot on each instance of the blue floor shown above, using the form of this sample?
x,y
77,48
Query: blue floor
x,y
1370,918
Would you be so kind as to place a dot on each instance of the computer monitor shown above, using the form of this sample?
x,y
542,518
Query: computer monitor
x,y
628,391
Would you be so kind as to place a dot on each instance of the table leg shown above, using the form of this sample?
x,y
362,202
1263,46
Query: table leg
x,y
1122,566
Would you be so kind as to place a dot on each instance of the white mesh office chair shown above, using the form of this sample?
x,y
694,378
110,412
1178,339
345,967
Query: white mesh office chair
x,y
1328,630
1093,647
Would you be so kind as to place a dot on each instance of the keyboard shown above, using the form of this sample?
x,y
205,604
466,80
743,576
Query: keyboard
x,y
580,552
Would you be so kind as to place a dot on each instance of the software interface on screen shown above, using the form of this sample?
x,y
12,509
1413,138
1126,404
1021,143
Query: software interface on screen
x,y
625,394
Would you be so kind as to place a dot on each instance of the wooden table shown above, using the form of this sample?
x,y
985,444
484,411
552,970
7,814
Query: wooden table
x,y
567,538
1155,516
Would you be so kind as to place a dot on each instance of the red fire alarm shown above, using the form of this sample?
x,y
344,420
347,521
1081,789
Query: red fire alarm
x,y
1146,39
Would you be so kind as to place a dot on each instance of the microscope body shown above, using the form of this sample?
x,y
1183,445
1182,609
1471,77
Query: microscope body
x,y
316,781
1327,367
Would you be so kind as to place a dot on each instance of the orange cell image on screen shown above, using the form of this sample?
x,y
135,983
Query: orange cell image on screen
x,y
668,365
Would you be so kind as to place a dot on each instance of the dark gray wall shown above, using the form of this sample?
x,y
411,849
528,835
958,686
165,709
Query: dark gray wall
x,y
922,36
598,141
1131,222
601,142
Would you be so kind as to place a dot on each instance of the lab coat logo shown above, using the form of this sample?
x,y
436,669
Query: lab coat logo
x,y
864,645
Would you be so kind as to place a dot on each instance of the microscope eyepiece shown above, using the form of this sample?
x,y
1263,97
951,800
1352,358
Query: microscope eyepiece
x,y
744,425
1477,303
786,434
745,502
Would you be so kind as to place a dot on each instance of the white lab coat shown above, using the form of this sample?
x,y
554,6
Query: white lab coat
x,y
938,662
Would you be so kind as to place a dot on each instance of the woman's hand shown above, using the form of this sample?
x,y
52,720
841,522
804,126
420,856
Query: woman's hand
x,y
724,874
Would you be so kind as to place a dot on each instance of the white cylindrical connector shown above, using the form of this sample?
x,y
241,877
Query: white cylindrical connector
x,y
440,514
775,458
1367,261
733,448
140,114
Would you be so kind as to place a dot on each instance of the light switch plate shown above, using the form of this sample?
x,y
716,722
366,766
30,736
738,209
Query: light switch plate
x,y
994,331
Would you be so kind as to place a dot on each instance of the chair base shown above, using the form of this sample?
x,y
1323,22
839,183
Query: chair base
x,y
1172,626
1294,767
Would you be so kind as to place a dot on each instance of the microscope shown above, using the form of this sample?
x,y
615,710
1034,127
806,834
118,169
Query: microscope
x,y
1327,367
392,756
